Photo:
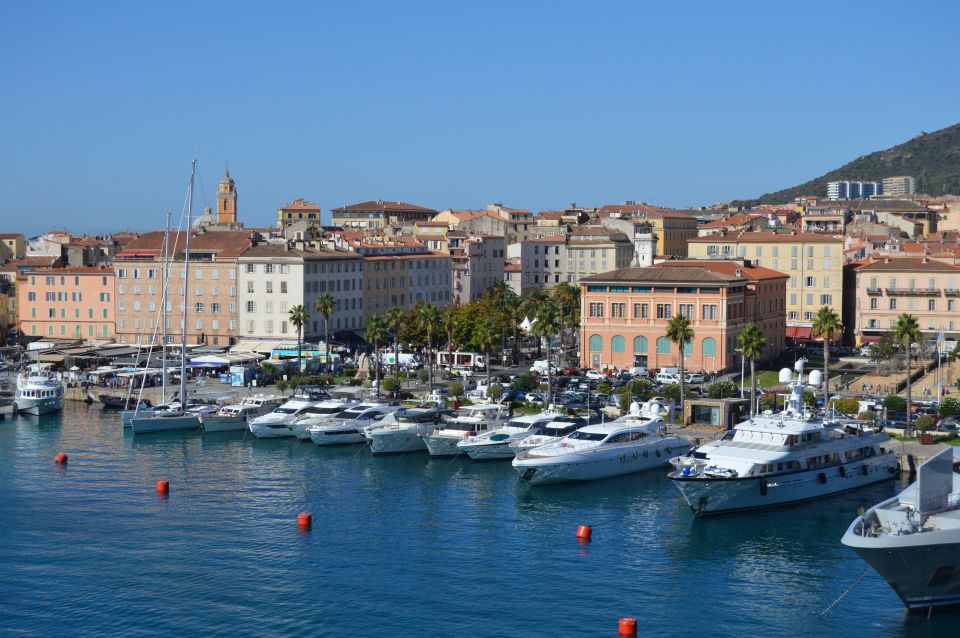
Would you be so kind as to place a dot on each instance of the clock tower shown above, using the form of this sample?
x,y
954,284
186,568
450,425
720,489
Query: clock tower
x,y
227,200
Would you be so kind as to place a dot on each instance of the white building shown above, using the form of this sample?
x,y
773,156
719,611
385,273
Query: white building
x,y
899,186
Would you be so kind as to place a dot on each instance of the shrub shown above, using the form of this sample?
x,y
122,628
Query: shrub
x,y
638,388
809,399
495,391
282,386
723,390
523,383
390,384
949,407
847,406
895,403
923,422
624,401
605,388
423,375
455,389
671,391
868,415
769,401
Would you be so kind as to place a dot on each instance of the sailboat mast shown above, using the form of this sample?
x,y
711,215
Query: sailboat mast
x,y
164,274
186,292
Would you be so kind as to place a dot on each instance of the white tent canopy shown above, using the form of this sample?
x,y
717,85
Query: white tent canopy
x,y
226,359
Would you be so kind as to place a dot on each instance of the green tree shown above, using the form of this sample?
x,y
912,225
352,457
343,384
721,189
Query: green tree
x,y
949,407
924,422
282,386
534,301
429,318
394,318
298,317
752,341
485,338
423,376
375,333
567,298
723,390
671,391
886,350
494,391
826,324
680,332
546,326
523,383
895,403
907,332
325,305
455,389
391,385
448,318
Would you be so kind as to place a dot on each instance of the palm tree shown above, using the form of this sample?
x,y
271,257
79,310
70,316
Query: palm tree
x,y
547,325
485,337
325,305
680,333
298,317
375,333
536,300
907,332
447,321
567,298
826,324
429,319
394,318
752,341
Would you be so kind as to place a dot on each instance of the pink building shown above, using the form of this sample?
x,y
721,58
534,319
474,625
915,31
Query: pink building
x,y
73,303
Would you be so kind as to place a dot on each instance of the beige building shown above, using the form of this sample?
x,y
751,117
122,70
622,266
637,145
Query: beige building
x,y
377,215
673,228
12,246
398,276
476,264
814,262
300,212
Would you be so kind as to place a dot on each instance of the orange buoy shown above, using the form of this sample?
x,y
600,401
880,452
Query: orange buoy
x,y
628,626
305,521
584,532
163,487
61,458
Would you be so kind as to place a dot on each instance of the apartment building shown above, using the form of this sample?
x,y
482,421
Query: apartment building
x,y
476,264
884,289
853,189
673,228
73,303
212,293
398,275
12,246
379,214
826,218
624,313
298,212
479,222
899,186
813,262
275,277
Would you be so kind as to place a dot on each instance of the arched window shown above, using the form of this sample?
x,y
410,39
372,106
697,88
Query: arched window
x,y
640,345
596,343
618,344
709,347
663,345
688,348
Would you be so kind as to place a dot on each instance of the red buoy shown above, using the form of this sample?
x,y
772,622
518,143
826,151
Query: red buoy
x,y
628,626
305,521
61,458
584,532
163,487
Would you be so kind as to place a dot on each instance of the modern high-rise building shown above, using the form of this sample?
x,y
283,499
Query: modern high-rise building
x,y
847,189
899,186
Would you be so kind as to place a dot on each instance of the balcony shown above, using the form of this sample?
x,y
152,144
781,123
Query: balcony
x,y
874,291
913,292
951,292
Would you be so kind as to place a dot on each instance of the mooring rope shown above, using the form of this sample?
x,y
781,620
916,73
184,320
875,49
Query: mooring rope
x,y
844,594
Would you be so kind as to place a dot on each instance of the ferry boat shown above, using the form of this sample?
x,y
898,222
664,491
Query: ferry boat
x,y
470,421
776,459
349,425
495,444
235,416
38,393
913,539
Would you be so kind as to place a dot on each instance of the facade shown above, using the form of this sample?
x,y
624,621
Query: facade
x,y
673,228
813,262
478,222
899,186
847,189
925,288
624,313
72,303
517,222
212,294
476,264
399,277
379,214
12,246
586,250
826,218
275,277
299,211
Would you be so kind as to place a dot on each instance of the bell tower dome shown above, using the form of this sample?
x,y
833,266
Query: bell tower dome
x,y
227,200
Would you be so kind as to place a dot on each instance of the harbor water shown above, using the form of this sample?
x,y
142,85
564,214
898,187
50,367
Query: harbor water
x,y
400,546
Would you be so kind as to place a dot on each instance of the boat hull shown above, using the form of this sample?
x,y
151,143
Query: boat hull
x,y
213,423
443,444
157,423
395,441
598,464
337,437
708,496
270,430
40,406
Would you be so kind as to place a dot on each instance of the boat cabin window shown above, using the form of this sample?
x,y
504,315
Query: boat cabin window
x,y
285,411
580,435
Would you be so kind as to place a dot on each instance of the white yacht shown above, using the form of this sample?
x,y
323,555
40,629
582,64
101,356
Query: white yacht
x,y
633,443
550,432
495,444
235,416
775,459
319,413
913,539
164,421
401,431
38,392
276,424
469,421
349,425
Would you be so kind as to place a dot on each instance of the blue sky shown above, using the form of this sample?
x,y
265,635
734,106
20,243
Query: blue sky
x,y
534,104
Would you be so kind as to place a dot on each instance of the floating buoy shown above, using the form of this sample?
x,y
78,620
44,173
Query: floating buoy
x,y
163,488
61,458
584,532
305,521
628,626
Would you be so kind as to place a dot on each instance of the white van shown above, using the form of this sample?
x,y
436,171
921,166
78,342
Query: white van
x,y
540,367
641,373
666,377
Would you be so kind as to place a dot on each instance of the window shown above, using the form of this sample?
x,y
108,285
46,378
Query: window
x,y
198,307
618,344
709,312
640,345
596,343
826,300
214,307
664,311
893,304
950,305
121,274
31,296
618,310
709,347
268,268
251,268
874,304
269,287
931,304
811,282
250,286
663,345
596,309
686,310
283,287
251,306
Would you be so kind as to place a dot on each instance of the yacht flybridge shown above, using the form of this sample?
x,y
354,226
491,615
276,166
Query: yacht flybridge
x,y
775,459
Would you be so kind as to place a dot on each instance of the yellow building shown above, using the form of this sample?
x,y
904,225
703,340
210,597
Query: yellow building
x,y
298,211
673,228
814,262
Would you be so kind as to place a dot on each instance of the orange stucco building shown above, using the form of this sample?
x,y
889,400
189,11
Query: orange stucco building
x,y
75,303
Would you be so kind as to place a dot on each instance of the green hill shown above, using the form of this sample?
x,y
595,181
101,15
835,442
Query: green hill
x,y
932,158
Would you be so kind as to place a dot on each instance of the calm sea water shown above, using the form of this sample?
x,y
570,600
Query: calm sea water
x,y
401,546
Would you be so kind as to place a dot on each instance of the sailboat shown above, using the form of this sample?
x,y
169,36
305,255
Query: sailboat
x,y
176,416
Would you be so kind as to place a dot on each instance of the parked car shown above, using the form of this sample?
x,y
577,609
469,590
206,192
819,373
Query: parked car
x,y
641,373
948,424
595,375
694,377
668,378
534,397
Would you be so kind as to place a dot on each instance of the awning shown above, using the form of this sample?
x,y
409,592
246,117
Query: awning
x,y
798,332
869,339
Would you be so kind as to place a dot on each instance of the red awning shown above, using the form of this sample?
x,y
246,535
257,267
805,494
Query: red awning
x,y
869,339
798,332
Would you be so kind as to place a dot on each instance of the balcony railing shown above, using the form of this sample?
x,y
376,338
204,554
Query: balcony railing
x,y
874,291
913,292
951,292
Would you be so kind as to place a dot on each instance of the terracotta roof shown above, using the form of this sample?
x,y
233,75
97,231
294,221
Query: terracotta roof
x,y
910,264
382,206
226,243
689,271
299,204
11,235
549,239
31,262
555,214
767,236
512,268
278,251
739,219
728,267
426,255
644,209
76,270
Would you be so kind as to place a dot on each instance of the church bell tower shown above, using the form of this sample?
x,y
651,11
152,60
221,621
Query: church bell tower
x,y
227,200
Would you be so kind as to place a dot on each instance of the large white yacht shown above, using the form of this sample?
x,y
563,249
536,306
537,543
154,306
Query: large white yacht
x,y
317,414
775,459
633,443
913,539
348,426
276,424
495,444
550,432
401,431
235,416
38,392
470,421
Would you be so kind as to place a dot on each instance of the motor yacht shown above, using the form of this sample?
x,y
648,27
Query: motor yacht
x,y
235,416
913,539
348,426
317,414
469,421
495,444
276,424
549,432
787,457
38,392
401,431
633,443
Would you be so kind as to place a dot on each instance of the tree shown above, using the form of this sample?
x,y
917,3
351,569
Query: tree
x,y
429,318
325,305
752,341
895,403
907,332
949,407
924,422
523,383
887,350
546,326
680,333
391,384
826,324
455,389
723,390
494,391
394,318
282,385
536,300
485,338
671,391
567,298
375,333
298,317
